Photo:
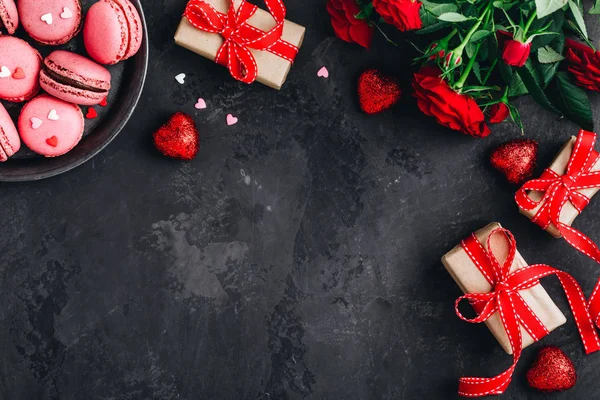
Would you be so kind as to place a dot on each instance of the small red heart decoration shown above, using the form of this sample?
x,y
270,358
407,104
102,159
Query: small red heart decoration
x,y
178,138
19,73
516,160
552,371
104,102
91,113
53,141
377,92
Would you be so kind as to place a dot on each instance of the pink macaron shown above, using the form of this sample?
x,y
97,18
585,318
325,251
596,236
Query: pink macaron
x,y
112,31
50,22
19,69
49,126
9,138
9,17
74,78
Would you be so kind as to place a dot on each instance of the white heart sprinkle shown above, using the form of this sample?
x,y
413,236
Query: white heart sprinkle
x,y
36,123
47,18
66,14
180,78
4,72
53,115
231,120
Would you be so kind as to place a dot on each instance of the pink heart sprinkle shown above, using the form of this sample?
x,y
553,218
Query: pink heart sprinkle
x,y
36,123
201,104
323,73
231,120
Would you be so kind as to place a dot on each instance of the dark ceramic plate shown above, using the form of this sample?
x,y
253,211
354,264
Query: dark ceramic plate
x,y
127,83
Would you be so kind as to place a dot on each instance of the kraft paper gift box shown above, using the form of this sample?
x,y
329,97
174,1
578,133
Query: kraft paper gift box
x,y
559,165
272,69
470,280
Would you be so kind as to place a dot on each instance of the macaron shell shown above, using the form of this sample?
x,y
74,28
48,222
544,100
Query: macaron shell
x,y
78,68
61,30
16,53
69,93
9,16
105,32
51,138
134,24
10,142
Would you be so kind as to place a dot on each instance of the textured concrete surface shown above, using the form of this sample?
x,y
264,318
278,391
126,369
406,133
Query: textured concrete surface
x,y
298,257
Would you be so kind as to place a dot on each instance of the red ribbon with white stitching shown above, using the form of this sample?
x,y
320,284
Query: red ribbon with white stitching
x,y
240,36
513,310
560,189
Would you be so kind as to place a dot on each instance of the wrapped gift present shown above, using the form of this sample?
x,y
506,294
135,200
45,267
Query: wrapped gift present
x,y
252,43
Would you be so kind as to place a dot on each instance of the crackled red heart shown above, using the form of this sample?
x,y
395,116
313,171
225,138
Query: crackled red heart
x,y
552,371
377,92
516,160
178,138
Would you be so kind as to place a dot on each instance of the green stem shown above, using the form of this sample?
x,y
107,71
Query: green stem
x,y
463,78
489,73
528,24
384,35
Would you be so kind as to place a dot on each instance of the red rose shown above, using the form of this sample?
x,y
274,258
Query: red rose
x,y
584,63
451,109
346,26
403,14
516,53
498,113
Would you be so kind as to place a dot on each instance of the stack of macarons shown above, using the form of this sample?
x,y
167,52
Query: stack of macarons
x,y
51,123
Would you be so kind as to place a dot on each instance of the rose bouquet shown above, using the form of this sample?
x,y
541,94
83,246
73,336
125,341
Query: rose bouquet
x,y
476,56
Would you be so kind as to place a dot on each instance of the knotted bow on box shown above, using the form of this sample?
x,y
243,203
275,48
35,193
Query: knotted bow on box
x,y
558,190
513,310
240,36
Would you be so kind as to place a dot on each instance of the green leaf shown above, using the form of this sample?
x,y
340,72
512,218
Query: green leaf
x,y
528,76
477,72
572,101
547,7
547,55
432,28
452,17
480,35
516,116
517,87
578,18
595,8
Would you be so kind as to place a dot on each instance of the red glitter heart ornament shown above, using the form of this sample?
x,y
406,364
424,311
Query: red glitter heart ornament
x,y
516,160
178,138
377,92
552,371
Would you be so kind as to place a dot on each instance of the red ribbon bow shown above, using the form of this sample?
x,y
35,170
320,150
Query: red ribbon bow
x,y
240,36
558,190
513,310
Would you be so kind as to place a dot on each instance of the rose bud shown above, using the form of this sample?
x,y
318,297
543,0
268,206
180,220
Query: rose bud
x,y
452,60
498,113
516,53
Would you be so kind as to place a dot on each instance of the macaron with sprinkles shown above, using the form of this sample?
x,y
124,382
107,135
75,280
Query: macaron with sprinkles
x,y
51,22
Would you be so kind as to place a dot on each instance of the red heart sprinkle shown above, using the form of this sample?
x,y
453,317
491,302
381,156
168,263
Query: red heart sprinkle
x,y
53,141
178,138
19,73
91,114
104,102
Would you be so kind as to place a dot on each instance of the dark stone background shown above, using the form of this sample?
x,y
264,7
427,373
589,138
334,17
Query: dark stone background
x,y
298,257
